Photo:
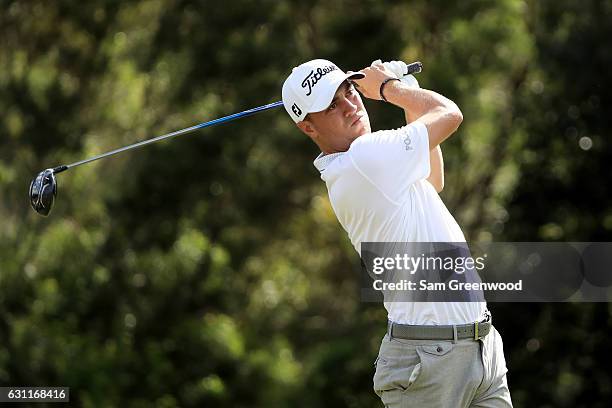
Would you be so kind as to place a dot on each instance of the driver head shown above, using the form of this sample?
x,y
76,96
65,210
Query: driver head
x,y
43,190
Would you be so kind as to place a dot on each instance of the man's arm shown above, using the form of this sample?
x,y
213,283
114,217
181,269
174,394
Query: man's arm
x,y
440,115
436,161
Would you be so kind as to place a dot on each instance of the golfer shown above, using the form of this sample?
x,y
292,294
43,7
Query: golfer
x,y
383,187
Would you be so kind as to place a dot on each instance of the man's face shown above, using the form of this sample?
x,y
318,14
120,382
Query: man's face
x,y
344,120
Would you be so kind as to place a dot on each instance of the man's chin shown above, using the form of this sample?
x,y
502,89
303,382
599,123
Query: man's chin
x,y
362,128
363,125
362,131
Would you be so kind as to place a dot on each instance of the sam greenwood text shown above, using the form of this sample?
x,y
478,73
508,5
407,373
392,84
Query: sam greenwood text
x,y
406,285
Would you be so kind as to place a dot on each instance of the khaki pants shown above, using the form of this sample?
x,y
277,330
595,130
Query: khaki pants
x,y
439,373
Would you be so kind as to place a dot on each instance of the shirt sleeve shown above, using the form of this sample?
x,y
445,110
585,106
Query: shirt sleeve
x,y
392,160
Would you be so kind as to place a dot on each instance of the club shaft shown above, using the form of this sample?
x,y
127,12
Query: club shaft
x,y
413,68
172,134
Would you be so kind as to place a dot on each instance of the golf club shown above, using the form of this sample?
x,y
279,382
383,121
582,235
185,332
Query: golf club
x,y
43,188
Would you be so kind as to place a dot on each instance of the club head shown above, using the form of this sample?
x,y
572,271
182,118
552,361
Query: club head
x,y
43,190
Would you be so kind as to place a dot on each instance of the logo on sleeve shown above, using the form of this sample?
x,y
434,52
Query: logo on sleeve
x,y
408,143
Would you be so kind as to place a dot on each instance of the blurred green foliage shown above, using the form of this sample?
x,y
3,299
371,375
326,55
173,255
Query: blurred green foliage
x,y
210,270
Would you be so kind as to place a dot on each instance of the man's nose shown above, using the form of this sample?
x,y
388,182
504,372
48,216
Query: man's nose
x,y
348,107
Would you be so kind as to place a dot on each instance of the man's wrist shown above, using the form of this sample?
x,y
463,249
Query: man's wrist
x,y
382,87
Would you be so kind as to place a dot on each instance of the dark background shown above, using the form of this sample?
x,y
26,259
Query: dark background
x,y
210,270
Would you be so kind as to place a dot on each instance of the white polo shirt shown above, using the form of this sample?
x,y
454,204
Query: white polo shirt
x,y
379,192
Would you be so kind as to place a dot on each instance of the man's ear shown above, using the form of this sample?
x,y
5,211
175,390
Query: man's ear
x,y
307,127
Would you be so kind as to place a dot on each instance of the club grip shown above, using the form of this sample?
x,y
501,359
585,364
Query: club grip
x,y
414,68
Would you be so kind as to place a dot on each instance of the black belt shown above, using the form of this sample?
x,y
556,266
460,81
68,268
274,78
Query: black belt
x,y
476,330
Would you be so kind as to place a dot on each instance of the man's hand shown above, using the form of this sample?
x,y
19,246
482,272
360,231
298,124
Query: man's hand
x,y
374,77
399,69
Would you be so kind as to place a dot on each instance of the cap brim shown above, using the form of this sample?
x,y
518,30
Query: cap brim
x,y
326,97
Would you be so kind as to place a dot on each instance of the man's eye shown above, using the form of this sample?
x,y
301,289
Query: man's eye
x,y
332,106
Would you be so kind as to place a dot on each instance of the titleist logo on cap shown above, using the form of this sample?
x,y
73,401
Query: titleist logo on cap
x,y
313,77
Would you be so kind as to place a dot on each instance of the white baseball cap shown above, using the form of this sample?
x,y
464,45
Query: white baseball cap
x,y
311,87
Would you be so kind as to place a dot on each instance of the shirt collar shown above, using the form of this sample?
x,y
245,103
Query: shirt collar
x,y
324,160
